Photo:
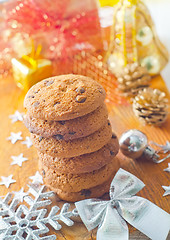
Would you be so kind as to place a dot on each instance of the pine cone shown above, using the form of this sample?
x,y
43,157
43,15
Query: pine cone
x,y
132,79
151,106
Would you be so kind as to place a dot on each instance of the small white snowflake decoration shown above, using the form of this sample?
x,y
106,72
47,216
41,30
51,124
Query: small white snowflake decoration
x,y
27,142
18,159
15,137
167,190
17,116
37,178
7,181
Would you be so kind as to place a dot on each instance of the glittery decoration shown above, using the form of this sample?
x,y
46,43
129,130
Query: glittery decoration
x,y
23,222
20,194
63,28
124,206
31,68
134,39
134,144
91,64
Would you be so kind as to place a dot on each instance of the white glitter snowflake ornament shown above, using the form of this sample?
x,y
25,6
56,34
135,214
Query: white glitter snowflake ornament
x,y
27,142
15,137
7,181
20,194
20,222
17,116
18,159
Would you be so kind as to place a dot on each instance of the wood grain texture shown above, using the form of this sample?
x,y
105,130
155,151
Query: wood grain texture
x,y
122,119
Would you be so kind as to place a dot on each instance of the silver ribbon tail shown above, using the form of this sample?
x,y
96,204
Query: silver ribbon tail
x,y
146,217
111,216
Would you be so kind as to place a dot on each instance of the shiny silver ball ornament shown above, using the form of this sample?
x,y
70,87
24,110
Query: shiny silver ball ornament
x,y
134,144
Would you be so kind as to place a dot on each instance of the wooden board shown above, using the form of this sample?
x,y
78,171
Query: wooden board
x,y
122,119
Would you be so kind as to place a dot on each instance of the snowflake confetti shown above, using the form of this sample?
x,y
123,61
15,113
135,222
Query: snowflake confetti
x,y
7,181
168,168
37,178
17,116
27,142
22,222
167,190
20,194
15,137
18,159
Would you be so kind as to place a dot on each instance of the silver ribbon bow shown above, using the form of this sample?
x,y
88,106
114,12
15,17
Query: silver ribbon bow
x,y
111,216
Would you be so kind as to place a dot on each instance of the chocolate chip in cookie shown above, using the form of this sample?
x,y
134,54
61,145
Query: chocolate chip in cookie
x,y
62,122
58,137
114,136
56,103
111,152
72,133
86,192
80,99
48,83
40,138
80,90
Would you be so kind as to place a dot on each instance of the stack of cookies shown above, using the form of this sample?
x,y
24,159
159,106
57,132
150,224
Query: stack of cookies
x,y
69,126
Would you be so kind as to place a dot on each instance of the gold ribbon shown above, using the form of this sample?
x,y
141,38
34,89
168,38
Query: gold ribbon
x,y
133,2
33,56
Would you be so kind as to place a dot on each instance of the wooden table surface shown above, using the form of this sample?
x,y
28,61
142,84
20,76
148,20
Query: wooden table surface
x,y
122,119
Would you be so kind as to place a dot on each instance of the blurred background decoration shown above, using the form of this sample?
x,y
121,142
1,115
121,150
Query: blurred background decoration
x,y
110,3
134,39
82,26
159,10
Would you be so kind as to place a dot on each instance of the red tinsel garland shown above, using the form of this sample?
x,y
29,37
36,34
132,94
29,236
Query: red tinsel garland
x,y
62,27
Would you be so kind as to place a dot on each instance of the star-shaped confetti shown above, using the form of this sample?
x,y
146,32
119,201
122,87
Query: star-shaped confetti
x,y
7,181
37,178
17,116
15,137
168,168
27,142
167,190
18,159
20,194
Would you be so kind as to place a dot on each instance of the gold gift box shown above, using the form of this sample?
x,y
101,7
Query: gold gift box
x,y
28,70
